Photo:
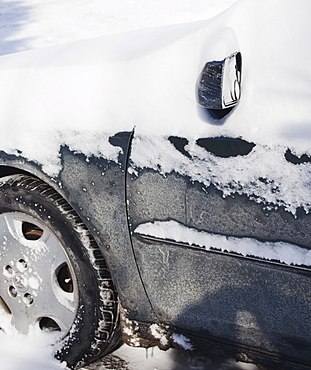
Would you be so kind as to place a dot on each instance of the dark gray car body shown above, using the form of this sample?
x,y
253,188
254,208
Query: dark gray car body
x,y
225,303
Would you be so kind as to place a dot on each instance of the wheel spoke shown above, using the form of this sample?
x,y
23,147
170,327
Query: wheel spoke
x,y
53,308
10,246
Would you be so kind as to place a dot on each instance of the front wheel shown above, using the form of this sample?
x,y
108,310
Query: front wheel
x,y
53,274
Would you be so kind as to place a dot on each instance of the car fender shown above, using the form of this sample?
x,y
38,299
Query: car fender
x,y
95,189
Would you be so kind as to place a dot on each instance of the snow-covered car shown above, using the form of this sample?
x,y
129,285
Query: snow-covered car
x,y
155,189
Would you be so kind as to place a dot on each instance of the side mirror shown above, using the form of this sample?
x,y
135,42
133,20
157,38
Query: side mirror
x,y
219,84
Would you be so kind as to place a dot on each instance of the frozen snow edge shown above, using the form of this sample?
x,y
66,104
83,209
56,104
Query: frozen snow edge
x,y
264,175
283,252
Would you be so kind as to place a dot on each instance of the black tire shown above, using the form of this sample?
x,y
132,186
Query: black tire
x,y
91,328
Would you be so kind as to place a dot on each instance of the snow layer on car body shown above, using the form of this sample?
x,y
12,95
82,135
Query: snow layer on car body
x,y
278,251
81,93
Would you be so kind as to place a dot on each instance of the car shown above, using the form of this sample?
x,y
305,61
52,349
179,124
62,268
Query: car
x,y
155,189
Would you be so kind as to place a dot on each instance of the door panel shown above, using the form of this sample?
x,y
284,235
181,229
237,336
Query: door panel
x,y
228,298
245,300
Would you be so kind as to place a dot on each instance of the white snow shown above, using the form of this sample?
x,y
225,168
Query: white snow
x,y
30,353
264,174
78,94
182,341
159,333
30,24
287,253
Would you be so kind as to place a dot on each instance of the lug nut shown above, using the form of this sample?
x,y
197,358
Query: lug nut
x,y
12,291
28,299
21,265
9,269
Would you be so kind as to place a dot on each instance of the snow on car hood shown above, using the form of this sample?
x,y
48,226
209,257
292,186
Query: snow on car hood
x,y
80,93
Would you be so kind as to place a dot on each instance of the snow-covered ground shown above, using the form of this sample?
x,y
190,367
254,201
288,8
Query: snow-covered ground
x,y
32,352
174,359
32,24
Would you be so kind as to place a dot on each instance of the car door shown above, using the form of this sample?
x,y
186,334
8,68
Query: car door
x,y
212,263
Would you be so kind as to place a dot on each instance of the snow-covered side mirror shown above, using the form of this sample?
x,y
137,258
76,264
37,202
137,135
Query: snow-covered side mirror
x,y
219,84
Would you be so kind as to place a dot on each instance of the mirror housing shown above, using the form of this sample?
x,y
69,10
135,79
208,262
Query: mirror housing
x,y
219,84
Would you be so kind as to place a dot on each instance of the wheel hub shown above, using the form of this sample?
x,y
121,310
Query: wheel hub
x,y
18,282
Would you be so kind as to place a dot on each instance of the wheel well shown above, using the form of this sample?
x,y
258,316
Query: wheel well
x,y
7,170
